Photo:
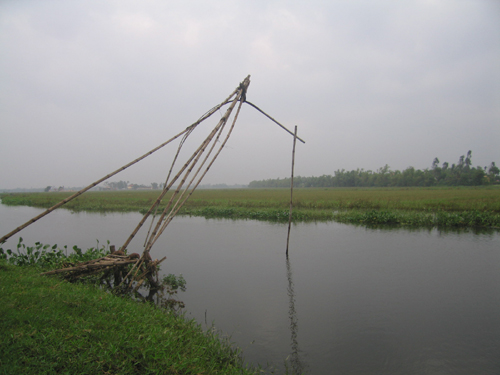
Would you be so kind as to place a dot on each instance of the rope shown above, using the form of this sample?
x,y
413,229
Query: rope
x,y
269,117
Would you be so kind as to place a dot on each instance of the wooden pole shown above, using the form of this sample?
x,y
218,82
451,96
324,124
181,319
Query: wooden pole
x,y
64,201
270,118
173,213
291,190
167,187
161,224
158,200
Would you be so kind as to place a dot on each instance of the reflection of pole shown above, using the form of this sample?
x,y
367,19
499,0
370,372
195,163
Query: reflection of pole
x,y
291,190
295,360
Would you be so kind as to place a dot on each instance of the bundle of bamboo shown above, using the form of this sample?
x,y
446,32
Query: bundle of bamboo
x,y
116,265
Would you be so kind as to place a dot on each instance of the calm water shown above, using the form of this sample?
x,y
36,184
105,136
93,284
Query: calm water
x,y
349,300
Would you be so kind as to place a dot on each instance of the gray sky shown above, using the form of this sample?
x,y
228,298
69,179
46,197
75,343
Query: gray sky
x,y
87,86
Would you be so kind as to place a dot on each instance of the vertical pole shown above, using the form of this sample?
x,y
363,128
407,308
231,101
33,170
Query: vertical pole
x,y
291,190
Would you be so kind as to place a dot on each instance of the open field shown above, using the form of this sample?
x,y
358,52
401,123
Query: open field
x,y
448,206
421,199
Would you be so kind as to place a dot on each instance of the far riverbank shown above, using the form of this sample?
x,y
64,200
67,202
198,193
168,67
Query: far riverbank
x,y
417,207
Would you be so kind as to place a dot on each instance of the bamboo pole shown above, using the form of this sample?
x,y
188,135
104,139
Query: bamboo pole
x,y
159,227
90,266
291,190
158,200
64,201
154,205
201,178
178,204
270,118
139,265
191,163
236,92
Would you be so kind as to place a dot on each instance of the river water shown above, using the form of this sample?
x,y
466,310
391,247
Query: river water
x,y
348,300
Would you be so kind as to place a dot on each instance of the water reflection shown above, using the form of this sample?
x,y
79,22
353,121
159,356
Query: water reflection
x,y
440,230
297,367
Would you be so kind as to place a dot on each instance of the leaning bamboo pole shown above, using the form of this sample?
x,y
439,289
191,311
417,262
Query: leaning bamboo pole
x,y
177,205
145,267
160,226
153,207
158,200
173,213
193,161
78,193
82,267
273,120
165,190
167,187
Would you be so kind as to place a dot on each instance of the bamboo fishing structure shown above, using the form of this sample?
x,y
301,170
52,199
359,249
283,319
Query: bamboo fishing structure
x,y
133,270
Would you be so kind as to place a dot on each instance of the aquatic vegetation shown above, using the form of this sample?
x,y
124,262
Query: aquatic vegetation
x,y
263,214
49,257
401,206
421,219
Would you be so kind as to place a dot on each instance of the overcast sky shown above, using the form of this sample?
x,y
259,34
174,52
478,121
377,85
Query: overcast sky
x,y
87,86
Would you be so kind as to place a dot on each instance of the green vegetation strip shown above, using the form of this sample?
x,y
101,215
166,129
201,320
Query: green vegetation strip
x,y
438,206
421,219
51,326
403,218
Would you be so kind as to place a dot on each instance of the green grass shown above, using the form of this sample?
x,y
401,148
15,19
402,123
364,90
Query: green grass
x,y
430,199
340,204
50,326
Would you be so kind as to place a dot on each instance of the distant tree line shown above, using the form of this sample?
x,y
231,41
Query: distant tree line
x,y
53,188
118,185
460,174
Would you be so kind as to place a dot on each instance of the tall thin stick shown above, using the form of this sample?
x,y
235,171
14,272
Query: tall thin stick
x,y
291,190
273,120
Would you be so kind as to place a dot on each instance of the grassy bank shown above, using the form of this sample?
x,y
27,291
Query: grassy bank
x,y
51,326
448,206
